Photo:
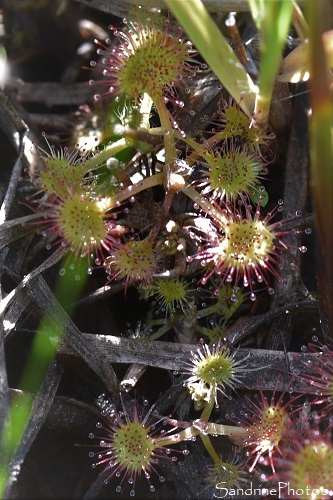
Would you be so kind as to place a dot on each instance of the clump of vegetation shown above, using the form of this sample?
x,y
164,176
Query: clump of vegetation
x,y
173,219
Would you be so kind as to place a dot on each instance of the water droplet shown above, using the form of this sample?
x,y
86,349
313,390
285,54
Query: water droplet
x,y
303,249
308,230
62,272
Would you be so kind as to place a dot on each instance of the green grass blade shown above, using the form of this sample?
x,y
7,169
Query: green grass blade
x,y
213,47
273,20
321,153
43,351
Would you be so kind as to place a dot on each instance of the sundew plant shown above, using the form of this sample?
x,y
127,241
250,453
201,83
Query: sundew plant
x,y
166,319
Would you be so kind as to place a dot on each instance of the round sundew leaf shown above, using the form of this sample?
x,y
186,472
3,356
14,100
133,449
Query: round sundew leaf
x,y
134,260
169,293
60,176
147,61
215,369
133,447
81,223
232,172
268,431
246,243
131,443
312,466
